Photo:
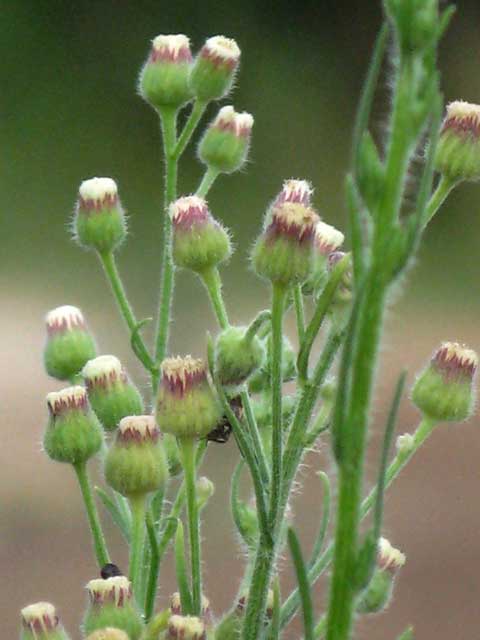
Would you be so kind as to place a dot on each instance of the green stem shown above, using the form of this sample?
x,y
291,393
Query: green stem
x,y
187,448
137,505
209,177
190,126
441,193
299,312
255,436
212,281
257,596
99,544
256,324
303,584
169,125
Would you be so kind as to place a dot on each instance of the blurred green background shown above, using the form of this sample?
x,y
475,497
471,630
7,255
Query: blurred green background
x,y
69,111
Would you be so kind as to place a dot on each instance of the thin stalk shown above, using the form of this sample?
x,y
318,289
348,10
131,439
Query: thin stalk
x,y
99,544
322,531
441,193
303,584
213,283
187,452
321,424
190,126
209,177
137,505
256,325
181,572
255,436
299,312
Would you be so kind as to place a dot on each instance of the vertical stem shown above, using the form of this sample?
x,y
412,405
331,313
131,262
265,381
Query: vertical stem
x,y
208,179
257,596
187,448
99,544
110,266
137,505
212,281
193,119
299,312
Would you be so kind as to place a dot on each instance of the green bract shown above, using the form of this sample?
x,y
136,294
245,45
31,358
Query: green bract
x,y
237,357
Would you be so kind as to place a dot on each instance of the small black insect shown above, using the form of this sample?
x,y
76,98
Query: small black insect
x,y
110,570
222,432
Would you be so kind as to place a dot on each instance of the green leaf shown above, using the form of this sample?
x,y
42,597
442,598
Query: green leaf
x,y
181,571
303,584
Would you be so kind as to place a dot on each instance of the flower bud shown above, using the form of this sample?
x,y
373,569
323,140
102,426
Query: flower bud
x,y
111,604
284,251
214,68
110,633
444,391
73,432
260,380
186,404
111,393
377,595
164,77
186,628
176,605
199,241
40,622
99,217
262,409
226,141
327,240
405,444
237,356
343,294
135,463
69,344
458,151
205,490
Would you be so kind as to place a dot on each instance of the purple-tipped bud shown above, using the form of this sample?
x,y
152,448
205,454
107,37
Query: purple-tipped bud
x,y
40,621
377,595
186,628
389,558
176,605
458,150
295,191
214,68
327,240
226,142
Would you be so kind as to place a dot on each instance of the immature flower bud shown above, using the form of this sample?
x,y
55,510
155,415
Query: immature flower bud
x,y
405,444
186,628
327,240
262,409
205,490
458,151
260,380
343,294
73,433
69,344
111,393
110,633
186,404
135,463
376,596
40,622
237,356
214,68
199,241
111,604
284,251
226,141
99,217
164,77
444,391
176,605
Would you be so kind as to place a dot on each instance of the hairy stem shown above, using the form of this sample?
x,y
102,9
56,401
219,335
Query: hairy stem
x,y
212,281
137,505
209,177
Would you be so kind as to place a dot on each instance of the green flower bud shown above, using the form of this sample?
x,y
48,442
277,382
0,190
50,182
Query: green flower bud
x,y
73,433
164,78
284,251
343,294
135,463
186,628
237,356
262,409
40,622
99,217
205,490
326,240
111,393
444,391
199,241
260,381
186,404
226,141
69,344
377,595
458,151
111,605
214,69
110,633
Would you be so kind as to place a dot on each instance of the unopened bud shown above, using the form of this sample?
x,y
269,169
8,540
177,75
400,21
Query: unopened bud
x,y
458,150
99,217
135,463
164,77
69,343
344,291
295,192
237,356
111,604
110,633
225,144
260,380
327,240
405,444
176,605
111,393
186,404
199,241
214,68
444,391
205,490
186,628
377,595
40,622
73,432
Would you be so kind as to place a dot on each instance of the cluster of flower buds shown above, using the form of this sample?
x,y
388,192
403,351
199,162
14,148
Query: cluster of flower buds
x,y
69,344
187,406
237,356
224,146
376,596
199,241
444,390
283,253
40,621
99,221
458,150
74,433
111,393
111,604
135,463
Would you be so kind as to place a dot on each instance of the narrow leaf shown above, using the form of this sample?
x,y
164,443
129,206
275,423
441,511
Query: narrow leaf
x,y
180,569
303,584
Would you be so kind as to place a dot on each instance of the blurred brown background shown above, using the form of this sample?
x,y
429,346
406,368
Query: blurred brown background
x,y
68,112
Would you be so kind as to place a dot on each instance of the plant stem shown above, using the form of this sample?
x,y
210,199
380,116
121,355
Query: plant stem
x,y
169,125
255,436
303,584
444,187
137,505
212,281
190,126
299,312
187,448
257,596
99,544
209,177
256,324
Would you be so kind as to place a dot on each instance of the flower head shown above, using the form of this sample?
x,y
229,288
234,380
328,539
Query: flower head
x,y
458,150
214,68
